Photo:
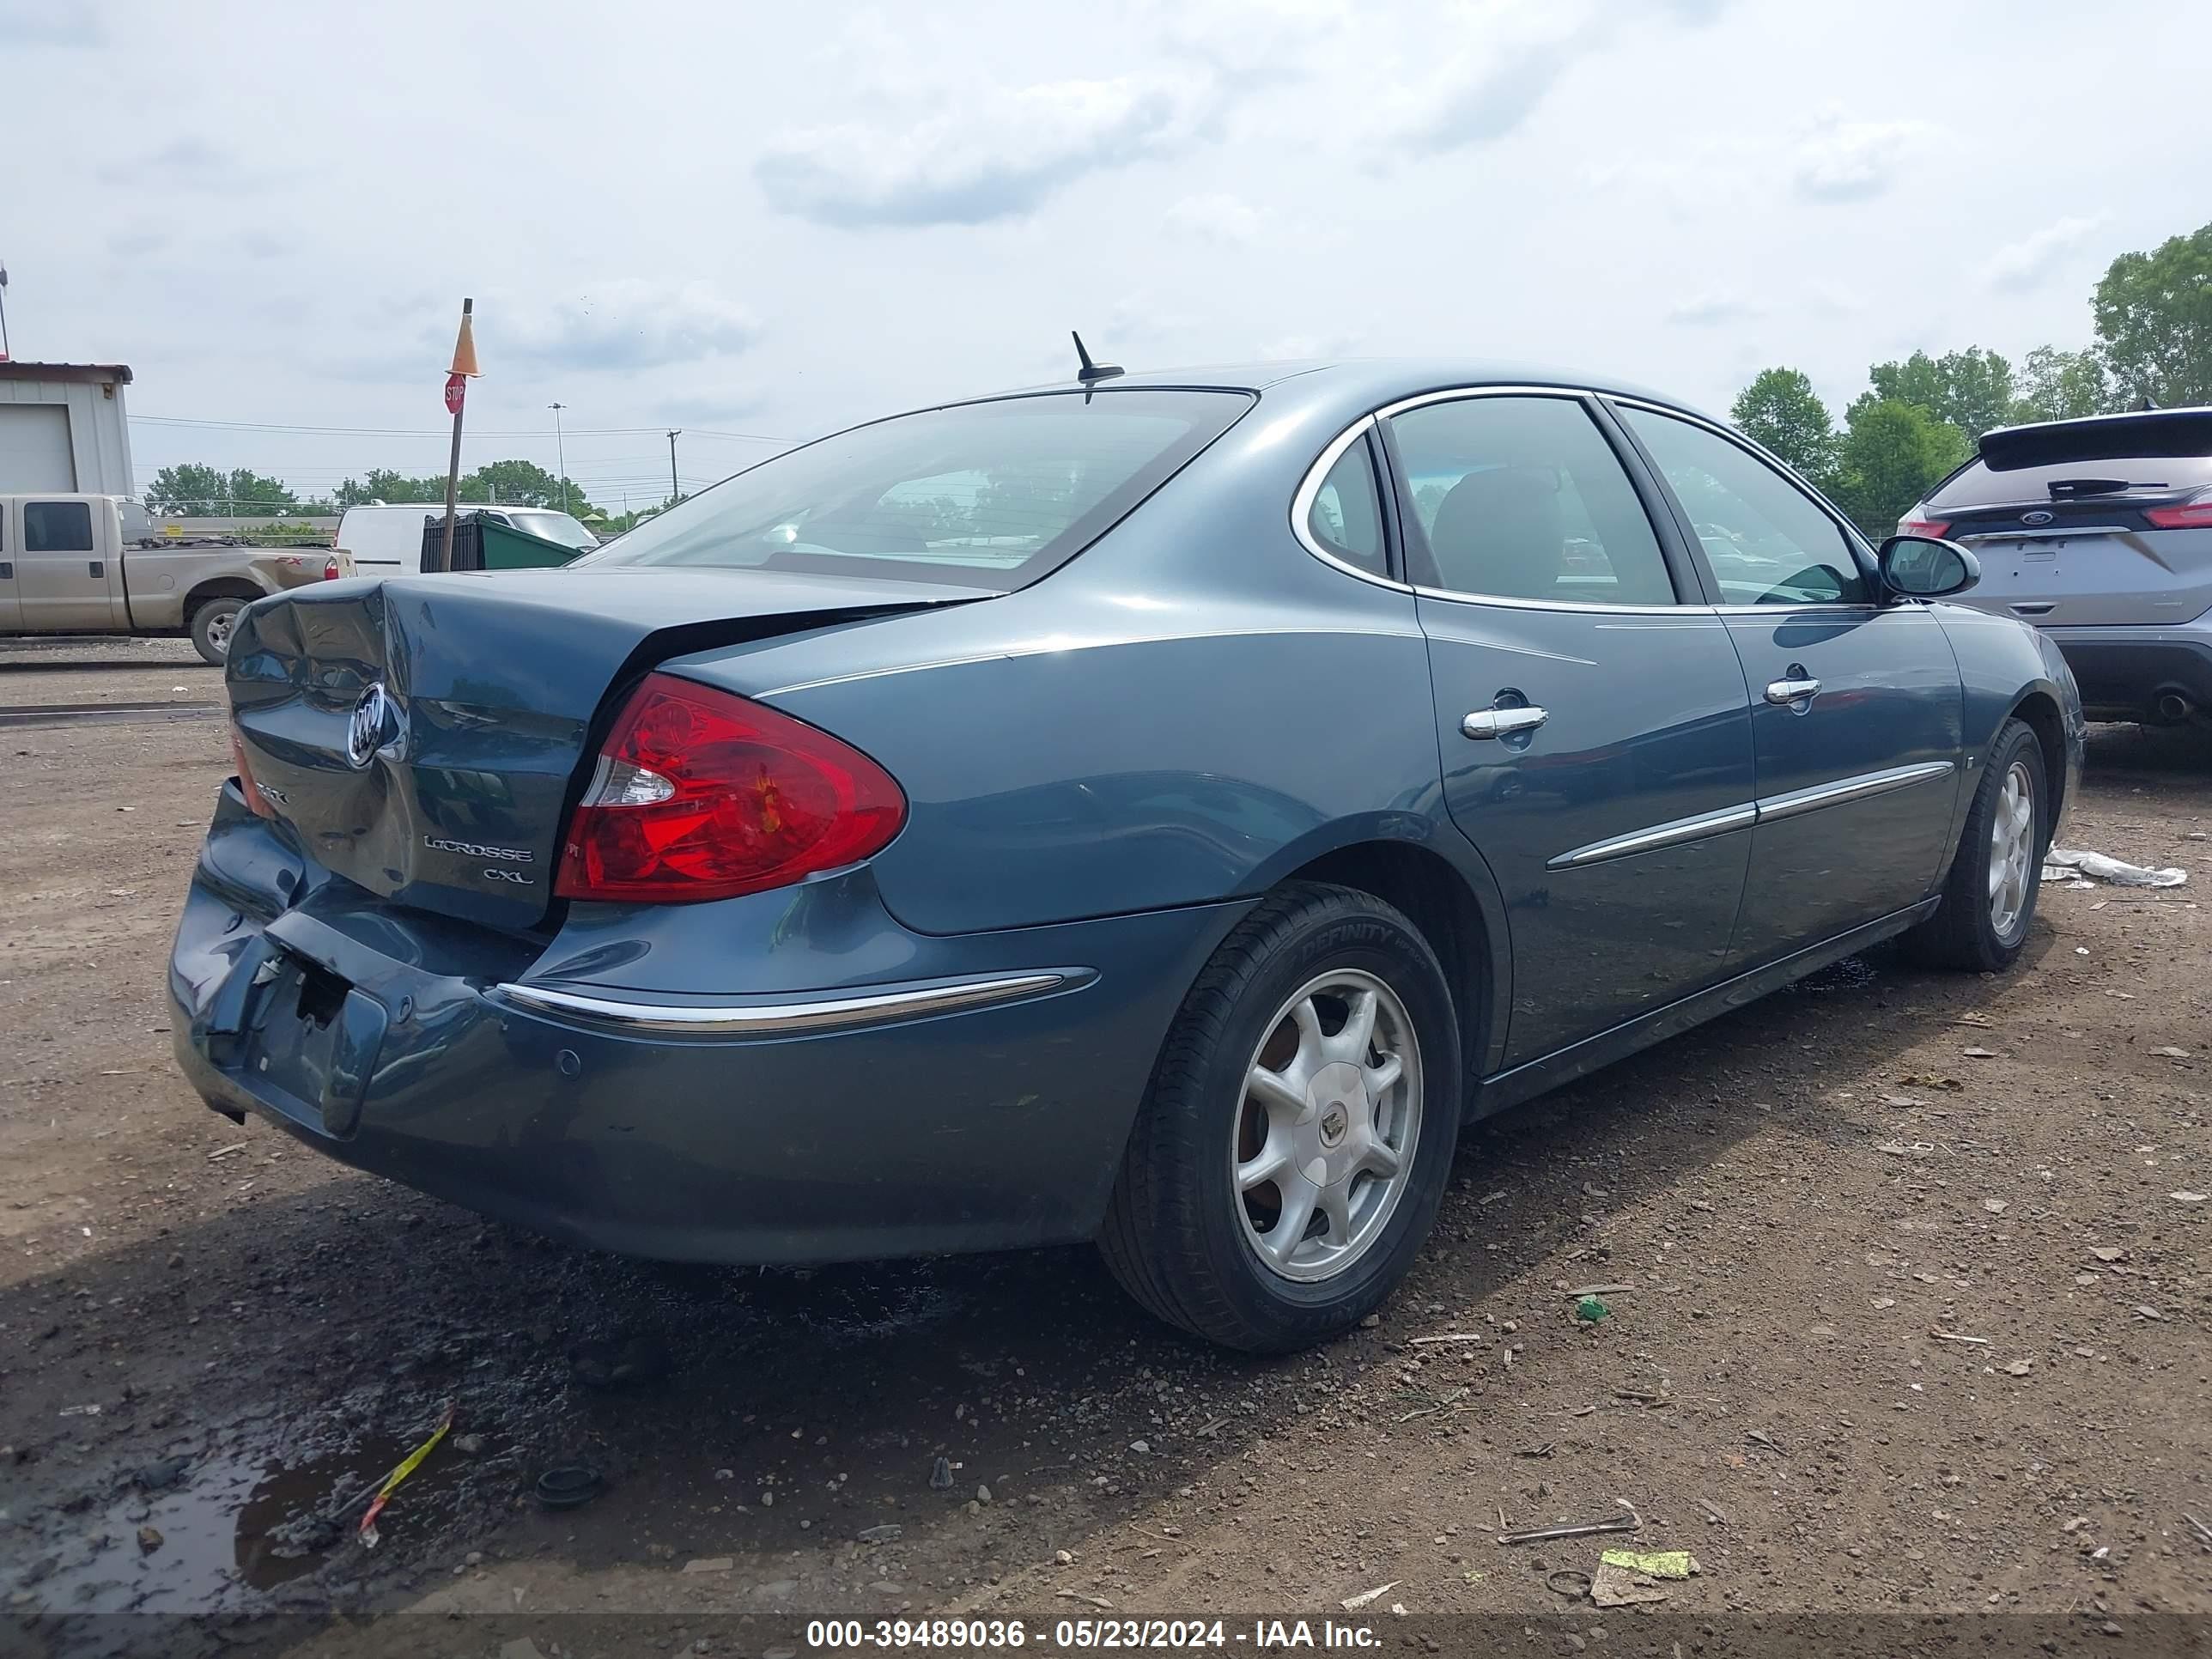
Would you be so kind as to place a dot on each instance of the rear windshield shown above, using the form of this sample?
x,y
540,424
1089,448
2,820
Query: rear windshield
x,y
1976,484
988,495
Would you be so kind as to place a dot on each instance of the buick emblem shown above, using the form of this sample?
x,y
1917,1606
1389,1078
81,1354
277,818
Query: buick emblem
x,y
365,729
2038,516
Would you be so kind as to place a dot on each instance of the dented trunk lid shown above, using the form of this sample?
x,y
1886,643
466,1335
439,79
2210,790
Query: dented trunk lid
x,y
423,737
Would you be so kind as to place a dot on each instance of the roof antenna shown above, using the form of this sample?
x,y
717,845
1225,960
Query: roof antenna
x,y
2146,404
1091,372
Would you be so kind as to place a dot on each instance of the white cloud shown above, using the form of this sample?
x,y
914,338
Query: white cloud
x,y
1713,306
1842,160
1495,81
2036,257
1218,217
630,323
49,23
1295,348
992,153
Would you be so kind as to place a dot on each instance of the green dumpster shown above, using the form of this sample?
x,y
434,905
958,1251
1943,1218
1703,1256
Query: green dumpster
x,y
484,543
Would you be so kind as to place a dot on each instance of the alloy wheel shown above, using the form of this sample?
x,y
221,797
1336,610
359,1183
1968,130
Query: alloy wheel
x,y
2011,850
1328,1126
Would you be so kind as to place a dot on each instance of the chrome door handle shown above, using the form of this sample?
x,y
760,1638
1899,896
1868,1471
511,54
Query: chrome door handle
x,y
1786,692
1485,723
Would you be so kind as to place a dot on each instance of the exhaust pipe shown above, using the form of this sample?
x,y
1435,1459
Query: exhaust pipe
x,y
2173,707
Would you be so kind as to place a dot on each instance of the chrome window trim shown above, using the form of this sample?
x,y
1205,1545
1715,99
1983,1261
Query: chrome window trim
x,y
1588,608
1309,491
1775,808
1674,834
770,1018
1309,487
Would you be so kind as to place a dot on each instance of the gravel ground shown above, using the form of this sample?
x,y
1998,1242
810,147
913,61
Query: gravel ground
x,y
1907,1316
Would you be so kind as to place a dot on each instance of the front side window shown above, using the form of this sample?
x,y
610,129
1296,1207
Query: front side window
x,y
989,494
1523,498
56,526
1346,517
1768,541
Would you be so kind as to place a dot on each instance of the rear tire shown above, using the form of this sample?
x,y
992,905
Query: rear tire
x,y
1988,897
210,625
1269,1215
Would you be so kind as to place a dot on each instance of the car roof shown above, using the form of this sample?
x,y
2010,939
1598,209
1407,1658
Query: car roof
x,y
1352,385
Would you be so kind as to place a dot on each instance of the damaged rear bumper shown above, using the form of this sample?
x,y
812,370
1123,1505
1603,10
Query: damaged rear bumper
x,y
978,1099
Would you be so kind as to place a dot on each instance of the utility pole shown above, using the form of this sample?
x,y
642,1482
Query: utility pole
x,y
673,491
3,312
559,454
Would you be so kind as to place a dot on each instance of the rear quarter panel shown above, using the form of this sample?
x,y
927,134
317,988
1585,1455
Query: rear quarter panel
x,y
1186,712
2003,663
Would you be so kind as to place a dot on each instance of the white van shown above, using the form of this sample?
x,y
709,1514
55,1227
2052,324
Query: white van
x,y
387,540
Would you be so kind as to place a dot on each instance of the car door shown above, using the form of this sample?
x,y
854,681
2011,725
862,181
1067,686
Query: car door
x,y
1856,707
61,574
1593,724
11,608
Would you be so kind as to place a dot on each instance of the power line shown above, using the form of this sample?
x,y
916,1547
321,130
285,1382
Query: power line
x,y
412,432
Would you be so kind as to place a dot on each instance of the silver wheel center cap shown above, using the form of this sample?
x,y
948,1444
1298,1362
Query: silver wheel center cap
x,y
1334,1123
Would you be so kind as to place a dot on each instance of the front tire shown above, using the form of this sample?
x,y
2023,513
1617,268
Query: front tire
x,y
1988,897
1299,1134
210,626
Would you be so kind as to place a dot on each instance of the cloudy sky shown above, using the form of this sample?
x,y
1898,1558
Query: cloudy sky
x,y
770,220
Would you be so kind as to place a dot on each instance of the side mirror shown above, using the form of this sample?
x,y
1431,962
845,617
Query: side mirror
x,y
1927,568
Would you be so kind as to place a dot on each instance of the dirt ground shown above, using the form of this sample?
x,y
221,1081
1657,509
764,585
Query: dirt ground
x,y
1908,1314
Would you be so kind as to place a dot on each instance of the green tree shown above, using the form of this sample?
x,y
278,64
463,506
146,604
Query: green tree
x,y
1894,454
188,491
191,491
1972,390
1780,409
522,484
252,496
511,483
2061,386
2153,314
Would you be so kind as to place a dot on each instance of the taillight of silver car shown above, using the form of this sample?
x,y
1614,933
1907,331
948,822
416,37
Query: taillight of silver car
x,y
2195,514
702,794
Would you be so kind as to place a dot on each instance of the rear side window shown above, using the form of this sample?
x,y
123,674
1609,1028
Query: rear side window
x,y
1346,517
1523,498
989,494
56,526
1768,541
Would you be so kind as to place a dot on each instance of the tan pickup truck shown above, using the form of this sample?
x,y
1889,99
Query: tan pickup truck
x,y
65,568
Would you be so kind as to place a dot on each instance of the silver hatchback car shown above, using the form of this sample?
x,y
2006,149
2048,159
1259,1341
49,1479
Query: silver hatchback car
x,y
2099,532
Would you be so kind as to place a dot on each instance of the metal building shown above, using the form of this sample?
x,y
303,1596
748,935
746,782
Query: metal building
x,y
63,428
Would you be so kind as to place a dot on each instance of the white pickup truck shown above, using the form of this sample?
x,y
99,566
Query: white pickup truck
x,y
65,568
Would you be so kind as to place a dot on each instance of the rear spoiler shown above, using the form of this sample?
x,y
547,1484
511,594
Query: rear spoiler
x,y
2139,435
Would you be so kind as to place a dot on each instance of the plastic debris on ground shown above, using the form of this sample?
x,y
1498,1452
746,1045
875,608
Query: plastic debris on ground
x,y
2066,864
1589,1311
1626,1578
408,1465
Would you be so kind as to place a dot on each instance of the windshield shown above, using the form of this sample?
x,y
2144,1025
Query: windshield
x,y
554,527
989,494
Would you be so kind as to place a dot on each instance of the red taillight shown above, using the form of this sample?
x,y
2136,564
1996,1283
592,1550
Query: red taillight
x,y
331,569
2189,515
699,794
1923,527
246,787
